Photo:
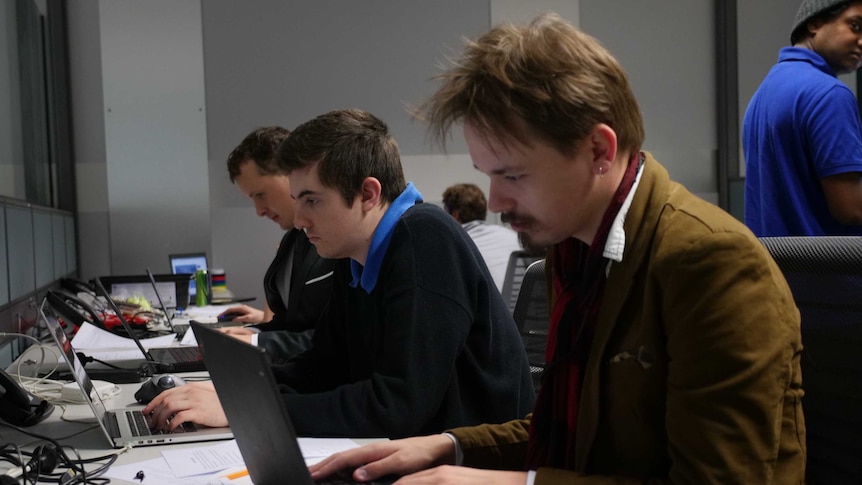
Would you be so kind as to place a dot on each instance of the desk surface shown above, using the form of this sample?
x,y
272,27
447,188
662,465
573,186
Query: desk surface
x,y
92,442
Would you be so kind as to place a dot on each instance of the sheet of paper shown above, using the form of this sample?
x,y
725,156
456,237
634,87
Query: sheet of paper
x,y
187,462
323,447
195,313
92,337
157,472
189,338
211,464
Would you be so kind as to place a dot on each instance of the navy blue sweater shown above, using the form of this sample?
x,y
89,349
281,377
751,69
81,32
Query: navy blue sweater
x,y
432,347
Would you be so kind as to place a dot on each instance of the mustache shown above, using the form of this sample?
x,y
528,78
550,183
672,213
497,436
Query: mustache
x,y
513,218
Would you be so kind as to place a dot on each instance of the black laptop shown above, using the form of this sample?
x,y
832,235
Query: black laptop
x,y
255,410
161,359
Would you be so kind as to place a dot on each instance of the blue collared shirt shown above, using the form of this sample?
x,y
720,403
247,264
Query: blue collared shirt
x,y
801,126
366,276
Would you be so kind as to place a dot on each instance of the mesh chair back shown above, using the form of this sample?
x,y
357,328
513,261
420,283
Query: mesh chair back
x,y
518,263
531,317
825,277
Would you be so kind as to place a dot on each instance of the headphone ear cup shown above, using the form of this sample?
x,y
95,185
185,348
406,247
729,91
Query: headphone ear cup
x,y
42,411
12,412
28,415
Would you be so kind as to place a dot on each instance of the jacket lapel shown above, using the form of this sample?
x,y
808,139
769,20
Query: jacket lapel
x,y
640,223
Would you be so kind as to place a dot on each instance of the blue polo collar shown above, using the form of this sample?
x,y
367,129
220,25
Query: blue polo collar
x,y
805,55
367,276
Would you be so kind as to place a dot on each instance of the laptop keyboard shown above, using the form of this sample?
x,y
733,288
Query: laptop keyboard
x,y
185,354
138,424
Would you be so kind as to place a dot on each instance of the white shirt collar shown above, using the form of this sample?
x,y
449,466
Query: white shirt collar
x,y
616,243
470,225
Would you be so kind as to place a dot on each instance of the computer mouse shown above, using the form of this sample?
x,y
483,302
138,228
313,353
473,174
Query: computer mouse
x,y
229,316
155,385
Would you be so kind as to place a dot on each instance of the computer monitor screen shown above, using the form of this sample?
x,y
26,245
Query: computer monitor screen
x,y
188,264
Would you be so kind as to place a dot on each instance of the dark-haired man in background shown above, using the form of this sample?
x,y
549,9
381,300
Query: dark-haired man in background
x,y
298,282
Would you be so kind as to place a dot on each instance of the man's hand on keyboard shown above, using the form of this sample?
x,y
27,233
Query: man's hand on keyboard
x,y
195,402
397,457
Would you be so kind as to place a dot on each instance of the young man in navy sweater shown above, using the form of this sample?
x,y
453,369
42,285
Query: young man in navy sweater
x,y
416,337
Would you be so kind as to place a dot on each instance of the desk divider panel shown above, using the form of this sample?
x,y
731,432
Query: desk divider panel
x,y
58,240
19,240
4,268
71,245
43,246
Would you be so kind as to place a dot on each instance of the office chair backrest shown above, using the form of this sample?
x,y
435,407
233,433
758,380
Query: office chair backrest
x,y
518,263
531,317
825,277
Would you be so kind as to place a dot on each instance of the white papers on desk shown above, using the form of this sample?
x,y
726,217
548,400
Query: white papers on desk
x,y
201,313
189,339
210,465
188,462
104,345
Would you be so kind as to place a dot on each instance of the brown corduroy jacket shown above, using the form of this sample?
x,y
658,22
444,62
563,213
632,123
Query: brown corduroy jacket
x,y
715,394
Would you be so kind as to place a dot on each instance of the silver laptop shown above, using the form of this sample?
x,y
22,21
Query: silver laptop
x,y
126,425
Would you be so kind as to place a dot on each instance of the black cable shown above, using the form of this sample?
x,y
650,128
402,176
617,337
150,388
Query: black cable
x,y
76,433
86,359
42,462
75,473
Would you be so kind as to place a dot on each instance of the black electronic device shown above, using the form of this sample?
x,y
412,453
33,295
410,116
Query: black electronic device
x,y
243,380
155,385
75,285
164,359
19,407
74,308
161,302
228,316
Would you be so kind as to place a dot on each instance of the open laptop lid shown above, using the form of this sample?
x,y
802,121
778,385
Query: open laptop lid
x,y
75,366
123,434
150,362
161,302
244,382
192,362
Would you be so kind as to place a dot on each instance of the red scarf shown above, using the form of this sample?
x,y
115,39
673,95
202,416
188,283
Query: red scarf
x,y
579,280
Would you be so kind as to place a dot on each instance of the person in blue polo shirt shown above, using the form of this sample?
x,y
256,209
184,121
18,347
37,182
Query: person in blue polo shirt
x,y
802,135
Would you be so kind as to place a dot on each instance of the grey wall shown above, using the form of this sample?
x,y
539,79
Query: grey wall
x,y
155,131
11,148
88,122
286,62
671,66
275,62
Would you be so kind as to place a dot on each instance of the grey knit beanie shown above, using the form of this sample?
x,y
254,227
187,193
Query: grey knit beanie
x,y
810,8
